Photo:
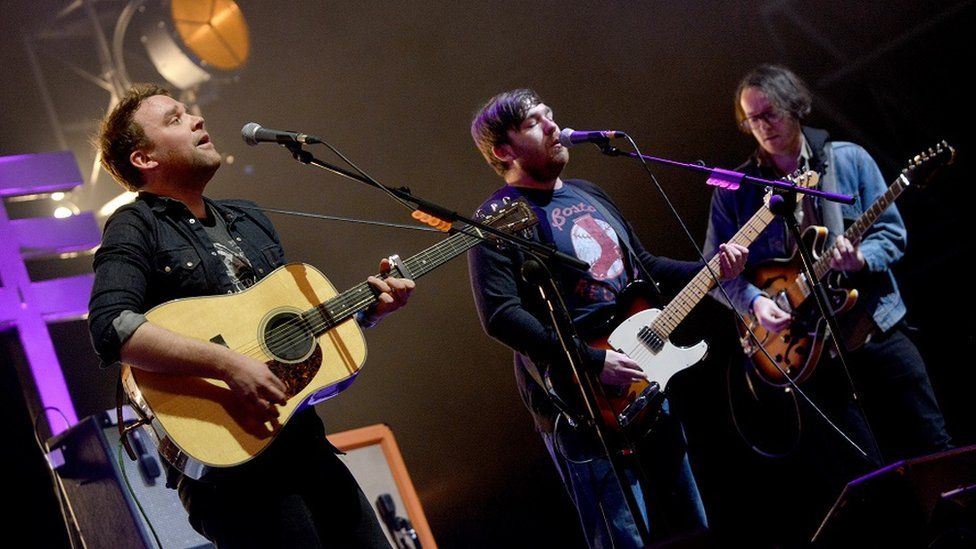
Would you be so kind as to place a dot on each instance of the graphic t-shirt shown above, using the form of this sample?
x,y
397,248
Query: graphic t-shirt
x,y
578,229
238,267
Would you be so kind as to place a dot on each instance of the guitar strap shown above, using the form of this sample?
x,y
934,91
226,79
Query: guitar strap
x,y
120,401
544,230
120,420
832,217
543,233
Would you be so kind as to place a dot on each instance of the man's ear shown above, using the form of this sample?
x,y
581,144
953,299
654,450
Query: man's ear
x,y
503,152
142,160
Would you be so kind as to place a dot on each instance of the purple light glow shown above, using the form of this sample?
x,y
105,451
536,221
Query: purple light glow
x,y
26,305
38,173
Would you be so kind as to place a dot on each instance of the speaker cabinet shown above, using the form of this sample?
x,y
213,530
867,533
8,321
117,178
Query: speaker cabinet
x,y
86,458
373,457
910,503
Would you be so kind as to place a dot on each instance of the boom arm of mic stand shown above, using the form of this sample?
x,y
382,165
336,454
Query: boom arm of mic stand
x,y
729,175
441,212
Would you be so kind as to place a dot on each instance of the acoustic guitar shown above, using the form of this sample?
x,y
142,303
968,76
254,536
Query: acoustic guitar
x,y
294,321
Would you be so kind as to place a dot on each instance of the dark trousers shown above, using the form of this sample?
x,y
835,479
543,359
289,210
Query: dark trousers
x,y
897,397
895,417
296,496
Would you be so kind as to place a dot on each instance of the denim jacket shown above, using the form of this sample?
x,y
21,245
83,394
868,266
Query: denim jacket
x,y
853,172
154,250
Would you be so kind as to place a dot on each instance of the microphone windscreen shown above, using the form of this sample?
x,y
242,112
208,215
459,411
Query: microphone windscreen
x,y
249,133
566,137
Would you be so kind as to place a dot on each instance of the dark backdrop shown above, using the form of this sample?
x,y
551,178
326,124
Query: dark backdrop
x,y
394,88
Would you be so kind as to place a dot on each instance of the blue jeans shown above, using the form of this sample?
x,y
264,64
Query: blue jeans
x,y
671,493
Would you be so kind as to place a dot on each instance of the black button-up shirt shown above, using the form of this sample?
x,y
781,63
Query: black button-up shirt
x,y
155,250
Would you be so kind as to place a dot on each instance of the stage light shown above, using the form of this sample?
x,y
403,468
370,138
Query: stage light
x,y
65,209
191,41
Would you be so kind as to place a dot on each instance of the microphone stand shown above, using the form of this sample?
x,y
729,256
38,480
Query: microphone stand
x,y
728,178
786,209
590,391
438,211
620,453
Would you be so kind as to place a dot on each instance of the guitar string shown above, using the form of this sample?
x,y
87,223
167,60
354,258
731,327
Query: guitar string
x,y
338,309
674,313
669,318
303,326
348,303
867,218
822,266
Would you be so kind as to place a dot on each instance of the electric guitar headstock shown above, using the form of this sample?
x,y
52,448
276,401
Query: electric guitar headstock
x,y
924,165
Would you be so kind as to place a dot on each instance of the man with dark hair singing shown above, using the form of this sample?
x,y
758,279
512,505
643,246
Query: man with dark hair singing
x,y
173,242
517,135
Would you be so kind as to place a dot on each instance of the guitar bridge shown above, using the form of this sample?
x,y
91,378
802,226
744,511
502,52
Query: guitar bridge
x,y
648,396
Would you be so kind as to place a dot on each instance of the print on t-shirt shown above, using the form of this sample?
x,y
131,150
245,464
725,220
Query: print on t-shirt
x,y
238,267
578,229
596,243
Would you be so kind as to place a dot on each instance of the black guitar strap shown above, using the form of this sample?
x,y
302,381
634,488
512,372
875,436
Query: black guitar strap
x,y
544,230
120,421
832,217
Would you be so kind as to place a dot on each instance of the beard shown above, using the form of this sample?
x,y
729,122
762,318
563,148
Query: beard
x,y
549,168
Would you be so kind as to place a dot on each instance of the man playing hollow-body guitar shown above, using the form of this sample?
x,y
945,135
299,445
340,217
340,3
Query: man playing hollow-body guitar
x,y
887,369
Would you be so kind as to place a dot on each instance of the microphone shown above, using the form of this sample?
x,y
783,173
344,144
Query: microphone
x,y
253,133
569,137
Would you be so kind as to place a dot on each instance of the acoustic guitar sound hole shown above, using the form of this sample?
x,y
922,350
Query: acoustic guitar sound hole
x,y
287,337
